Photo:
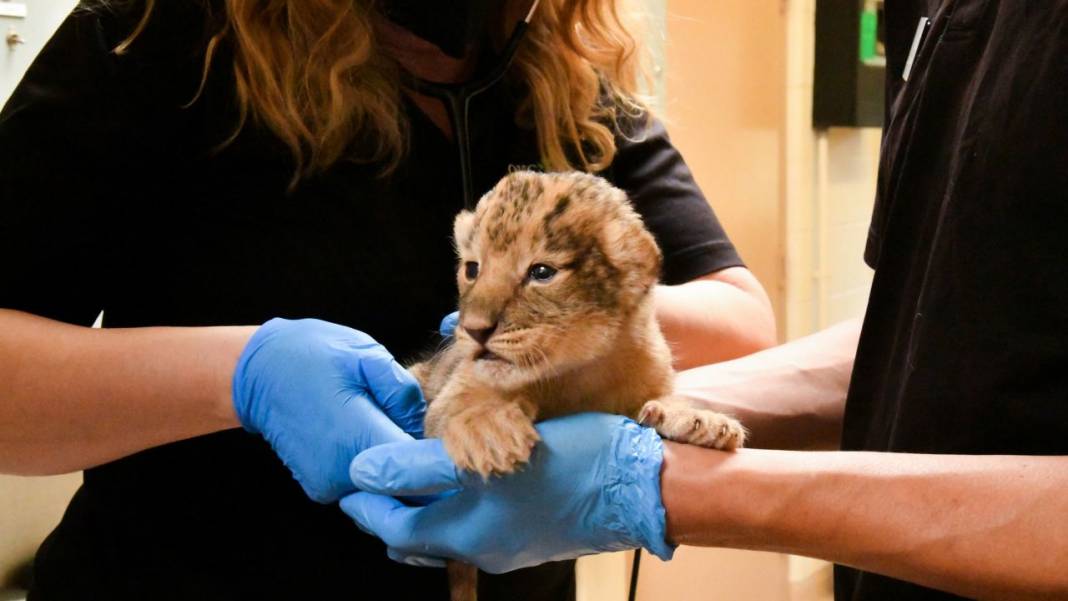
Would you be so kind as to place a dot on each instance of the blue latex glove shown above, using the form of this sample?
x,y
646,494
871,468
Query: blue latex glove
x,y
320,394
448,324
592,485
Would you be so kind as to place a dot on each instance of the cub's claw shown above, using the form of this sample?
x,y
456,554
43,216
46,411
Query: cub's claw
x,y
677,421
490,440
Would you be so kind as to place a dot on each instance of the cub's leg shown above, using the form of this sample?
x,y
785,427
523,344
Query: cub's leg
x,y
421,372
483,432
674,419
463,581
434,373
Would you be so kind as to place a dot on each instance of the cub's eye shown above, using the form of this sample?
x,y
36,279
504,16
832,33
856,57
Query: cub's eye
x,y
471,270
541,272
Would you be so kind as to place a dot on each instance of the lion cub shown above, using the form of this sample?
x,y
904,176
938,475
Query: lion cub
x,y
556,279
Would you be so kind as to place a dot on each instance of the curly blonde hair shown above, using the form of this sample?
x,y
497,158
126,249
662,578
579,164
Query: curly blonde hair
x,y
312,74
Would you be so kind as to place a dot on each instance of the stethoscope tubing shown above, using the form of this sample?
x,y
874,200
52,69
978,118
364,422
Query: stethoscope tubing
x,y
458,96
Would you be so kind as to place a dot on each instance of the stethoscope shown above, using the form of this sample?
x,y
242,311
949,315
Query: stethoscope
x,y
457,98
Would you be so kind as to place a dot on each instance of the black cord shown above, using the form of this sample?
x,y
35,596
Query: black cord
x,y
634,574
457,98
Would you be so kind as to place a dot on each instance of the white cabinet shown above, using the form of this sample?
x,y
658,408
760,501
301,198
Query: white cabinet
x,y
26,25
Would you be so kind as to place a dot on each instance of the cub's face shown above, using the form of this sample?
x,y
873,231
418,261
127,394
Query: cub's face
x,y
551,266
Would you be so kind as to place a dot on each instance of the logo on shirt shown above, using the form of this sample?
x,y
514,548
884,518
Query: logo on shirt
x,y
533,167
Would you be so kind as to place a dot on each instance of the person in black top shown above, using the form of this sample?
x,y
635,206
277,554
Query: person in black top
x,y
951,398
187,167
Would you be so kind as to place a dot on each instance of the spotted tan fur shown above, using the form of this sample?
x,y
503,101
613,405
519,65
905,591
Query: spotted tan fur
x,y
585,340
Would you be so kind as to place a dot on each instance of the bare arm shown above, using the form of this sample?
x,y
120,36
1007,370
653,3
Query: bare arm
x,y
978,526
77,397
721,316
986,527
790,396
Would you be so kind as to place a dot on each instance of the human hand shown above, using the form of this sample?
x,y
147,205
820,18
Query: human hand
x,y
592,485
448,324
320,394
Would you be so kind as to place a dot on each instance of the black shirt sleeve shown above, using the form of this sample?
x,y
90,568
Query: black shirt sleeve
x,y
654,175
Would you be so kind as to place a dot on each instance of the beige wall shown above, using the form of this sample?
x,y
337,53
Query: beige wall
x,y
29,509
725,103
715,575
830,189
796,202
847,164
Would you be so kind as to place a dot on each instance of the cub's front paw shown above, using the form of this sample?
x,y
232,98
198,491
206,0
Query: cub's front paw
x,y
677,421
492,439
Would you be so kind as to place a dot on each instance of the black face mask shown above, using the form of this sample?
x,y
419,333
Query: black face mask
x,y
452,25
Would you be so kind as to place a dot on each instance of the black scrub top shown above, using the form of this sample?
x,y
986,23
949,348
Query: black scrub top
x,y
964,348
114,198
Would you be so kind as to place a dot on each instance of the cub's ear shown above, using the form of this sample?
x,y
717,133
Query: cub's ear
x,y
463,229
635,252
645,253
650,250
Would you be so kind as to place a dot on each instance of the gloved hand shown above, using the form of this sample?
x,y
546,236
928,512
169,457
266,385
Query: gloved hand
x,y
448,324
320,394
592,485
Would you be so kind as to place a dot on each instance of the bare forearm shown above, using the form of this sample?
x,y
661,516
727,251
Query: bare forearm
x,y
720,317
80,397
790,397
984,527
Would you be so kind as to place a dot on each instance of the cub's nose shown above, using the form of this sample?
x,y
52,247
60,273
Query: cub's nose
x,y
480,334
